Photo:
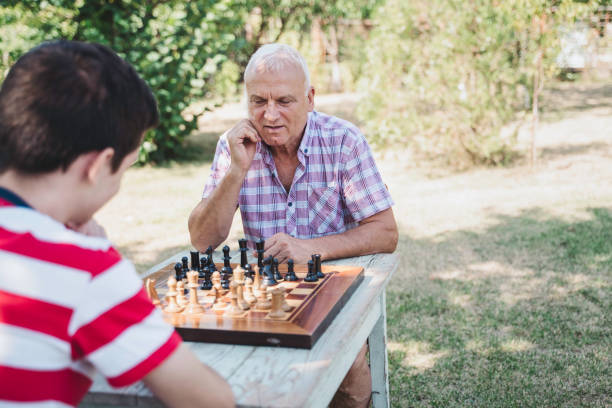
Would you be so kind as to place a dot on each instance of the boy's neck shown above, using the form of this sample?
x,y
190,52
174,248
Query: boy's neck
x,y
51,193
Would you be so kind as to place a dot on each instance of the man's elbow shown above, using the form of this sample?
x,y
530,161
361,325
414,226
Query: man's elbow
x,y
392,234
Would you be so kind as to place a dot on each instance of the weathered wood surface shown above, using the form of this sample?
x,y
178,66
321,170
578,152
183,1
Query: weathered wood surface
x,y
284,377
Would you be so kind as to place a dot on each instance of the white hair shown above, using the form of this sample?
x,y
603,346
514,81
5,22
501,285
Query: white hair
x,y
274,57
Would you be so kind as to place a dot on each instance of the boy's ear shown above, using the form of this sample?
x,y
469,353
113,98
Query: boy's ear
x,y
96,166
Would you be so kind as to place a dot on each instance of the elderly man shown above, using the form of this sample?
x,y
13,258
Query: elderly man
x,y
304,181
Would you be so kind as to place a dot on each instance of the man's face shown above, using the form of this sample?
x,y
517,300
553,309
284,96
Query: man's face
x,y
278,105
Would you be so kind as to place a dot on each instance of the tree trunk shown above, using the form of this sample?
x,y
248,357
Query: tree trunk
x,y
535,117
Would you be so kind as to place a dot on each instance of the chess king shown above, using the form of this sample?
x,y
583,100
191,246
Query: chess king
x,y
304,181
72,116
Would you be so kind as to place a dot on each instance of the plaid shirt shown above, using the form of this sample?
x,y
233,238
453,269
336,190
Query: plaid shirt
x,y
336,184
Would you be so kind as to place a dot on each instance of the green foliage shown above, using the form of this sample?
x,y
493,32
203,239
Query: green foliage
x,y
176,46
443,77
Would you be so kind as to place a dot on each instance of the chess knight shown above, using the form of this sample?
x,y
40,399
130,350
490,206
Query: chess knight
x,y
304,181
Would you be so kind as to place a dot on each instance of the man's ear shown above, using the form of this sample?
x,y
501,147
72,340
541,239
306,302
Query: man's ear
x,y
97,164
310,96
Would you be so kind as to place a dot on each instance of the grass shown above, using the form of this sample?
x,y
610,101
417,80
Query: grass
x,y
503,296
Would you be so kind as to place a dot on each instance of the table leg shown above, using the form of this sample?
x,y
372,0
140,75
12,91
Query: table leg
x,y
378,359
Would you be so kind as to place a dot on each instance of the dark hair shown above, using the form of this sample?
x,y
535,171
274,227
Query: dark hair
x,y
65,98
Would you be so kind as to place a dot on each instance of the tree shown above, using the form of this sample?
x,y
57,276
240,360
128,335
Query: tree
x,y
176,46
444,76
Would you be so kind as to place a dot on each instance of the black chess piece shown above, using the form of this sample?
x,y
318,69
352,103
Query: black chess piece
x,y
242,243
277,274
224,279
203,264
178,271
290,275
316,259
211,262
248,271
268,273
195,260
259,245
311,276
185,261
226,261
207,282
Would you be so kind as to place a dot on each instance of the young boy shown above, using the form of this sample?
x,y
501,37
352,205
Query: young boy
x,y
72,116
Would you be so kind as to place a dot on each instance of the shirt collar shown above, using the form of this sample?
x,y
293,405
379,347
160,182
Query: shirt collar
x,y
11,197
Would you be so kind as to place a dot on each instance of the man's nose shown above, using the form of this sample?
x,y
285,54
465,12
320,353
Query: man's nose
x,y
271,113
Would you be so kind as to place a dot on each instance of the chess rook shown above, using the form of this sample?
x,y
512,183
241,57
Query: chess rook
x,y
195,260
290,275
316,258
311,276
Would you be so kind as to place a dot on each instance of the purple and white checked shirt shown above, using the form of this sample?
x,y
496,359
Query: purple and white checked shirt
x,y
336,184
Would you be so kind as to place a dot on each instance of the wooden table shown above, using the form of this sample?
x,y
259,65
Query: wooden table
x,y
290,377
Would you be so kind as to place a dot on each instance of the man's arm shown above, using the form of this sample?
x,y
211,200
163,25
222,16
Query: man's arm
x,y
210,221
182,381
375,234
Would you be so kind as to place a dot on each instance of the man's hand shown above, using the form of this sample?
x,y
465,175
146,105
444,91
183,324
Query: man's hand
x,y
90,228
284,247
242,140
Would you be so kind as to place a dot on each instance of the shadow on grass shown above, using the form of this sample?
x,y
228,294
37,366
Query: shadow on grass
x,y
515,315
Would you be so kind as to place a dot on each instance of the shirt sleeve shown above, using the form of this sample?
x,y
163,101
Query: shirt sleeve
x,y
365,194
117,329
220,165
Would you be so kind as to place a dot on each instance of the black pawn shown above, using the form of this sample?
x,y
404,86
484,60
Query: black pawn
x,y
316,258
259,245
290,276
224,279
311,276
277,274
206,283
268,273
185,261
195,260
203,265
248,271
178,271
226,261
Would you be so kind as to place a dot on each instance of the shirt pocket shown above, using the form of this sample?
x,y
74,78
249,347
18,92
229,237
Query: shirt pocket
x,y
325,210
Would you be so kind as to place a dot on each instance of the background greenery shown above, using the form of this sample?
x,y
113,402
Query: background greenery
x,y
441,77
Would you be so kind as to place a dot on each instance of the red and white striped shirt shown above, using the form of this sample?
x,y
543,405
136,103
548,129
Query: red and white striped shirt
x,y
69,305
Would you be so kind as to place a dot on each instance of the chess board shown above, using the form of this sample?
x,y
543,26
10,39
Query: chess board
x,y
313,307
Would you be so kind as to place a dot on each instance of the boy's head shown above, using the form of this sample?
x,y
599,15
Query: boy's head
x,y
63,99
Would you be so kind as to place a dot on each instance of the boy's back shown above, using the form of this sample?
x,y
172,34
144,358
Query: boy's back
x,y
72,117
64,297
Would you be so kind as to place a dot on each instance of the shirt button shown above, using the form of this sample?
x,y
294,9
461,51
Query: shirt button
x,y
305,150
290,204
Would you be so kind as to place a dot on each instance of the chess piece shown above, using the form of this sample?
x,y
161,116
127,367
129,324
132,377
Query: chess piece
x,y
242,243
243,304
226,260
285,306
172,306
206,283
211,262
225,282
151,292
193,306
195,260
311,276
233,309
268,273
262,299
277,312
256,283
249,296
185,262
290,275
180,293
316,258
248,271
259,245
218,303
178,271
275,270
203,264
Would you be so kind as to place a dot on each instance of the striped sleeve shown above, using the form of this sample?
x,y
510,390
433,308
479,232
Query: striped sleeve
x,y
365,193
117,328
220,165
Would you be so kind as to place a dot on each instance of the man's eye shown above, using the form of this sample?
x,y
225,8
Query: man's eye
x,y
284,101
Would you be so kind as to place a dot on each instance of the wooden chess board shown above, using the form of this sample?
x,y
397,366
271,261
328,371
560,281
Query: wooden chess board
x,y
313,308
